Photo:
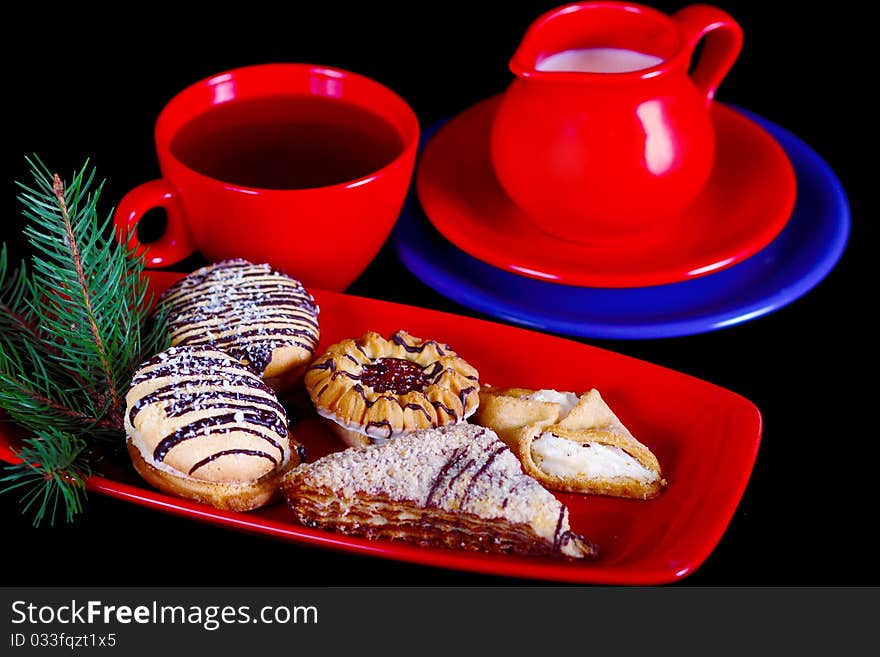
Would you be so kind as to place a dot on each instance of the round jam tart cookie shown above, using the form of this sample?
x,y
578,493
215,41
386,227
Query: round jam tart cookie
x,y
263,318
573,443
372,389
202,426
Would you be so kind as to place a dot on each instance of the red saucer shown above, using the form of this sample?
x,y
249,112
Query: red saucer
x,y
747,202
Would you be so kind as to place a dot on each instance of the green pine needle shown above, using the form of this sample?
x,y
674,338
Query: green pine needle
x,y
74,326
51,476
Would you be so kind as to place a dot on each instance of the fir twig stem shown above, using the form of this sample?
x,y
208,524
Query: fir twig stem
x,y
106,423
27,327
74,325
58,188
20,321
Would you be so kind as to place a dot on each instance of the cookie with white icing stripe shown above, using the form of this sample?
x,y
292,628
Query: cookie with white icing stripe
x,y
262,317
202,426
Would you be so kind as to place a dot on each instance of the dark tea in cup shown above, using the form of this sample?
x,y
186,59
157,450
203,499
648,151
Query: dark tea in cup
x,y
301,166
288,142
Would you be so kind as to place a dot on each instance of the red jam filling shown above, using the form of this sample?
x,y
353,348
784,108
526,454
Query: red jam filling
x,y
398,375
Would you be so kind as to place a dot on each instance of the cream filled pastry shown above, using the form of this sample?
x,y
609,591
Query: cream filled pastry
x,y
202,426
371,389
263,318
571,443
456,486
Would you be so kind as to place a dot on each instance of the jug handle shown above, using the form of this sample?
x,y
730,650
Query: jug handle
x,y
723,44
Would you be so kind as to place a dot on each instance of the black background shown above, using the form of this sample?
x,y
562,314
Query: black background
x,y
79,84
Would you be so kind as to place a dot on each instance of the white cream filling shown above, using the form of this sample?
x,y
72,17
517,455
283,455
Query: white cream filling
x,y
566,458
566,400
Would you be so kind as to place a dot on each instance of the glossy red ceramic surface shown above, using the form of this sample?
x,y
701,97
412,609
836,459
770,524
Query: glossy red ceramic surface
x,y
705,437
603,156
744,206
324,236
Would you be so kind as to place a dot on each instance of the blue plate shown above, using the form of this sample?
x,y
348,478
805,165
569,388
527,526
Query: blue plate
x,y
796,261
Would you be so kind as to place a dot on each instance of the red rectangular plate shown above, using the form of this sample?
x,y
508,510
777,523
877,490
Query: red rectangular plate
x,y
705,437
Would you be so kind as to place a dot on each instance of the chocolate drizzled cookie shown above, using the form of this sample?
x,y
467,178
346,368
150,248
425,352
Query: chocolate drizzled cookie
x,y
201,425
266,320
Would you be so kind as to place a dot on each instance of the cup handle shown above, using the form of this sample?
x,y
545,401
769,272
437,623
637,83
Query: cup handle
x,y
175,244
721,49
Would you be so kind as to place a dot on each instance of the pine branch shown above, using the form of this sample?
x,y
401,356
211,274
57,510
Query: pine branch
x,y
27,373
53,471
58,189
44,409
73,328
91,297
16,291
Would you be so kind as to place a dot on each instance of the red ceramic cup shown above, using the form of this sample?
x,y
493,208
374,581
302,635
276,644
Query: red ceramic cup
x,y
323,234
597,156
